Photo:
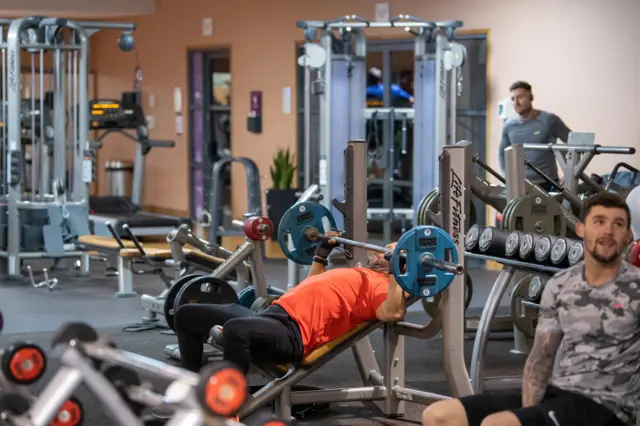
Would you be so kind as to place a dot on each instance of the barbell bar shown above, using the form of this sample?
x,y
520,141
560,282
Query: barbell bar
x,y
424,273
313,234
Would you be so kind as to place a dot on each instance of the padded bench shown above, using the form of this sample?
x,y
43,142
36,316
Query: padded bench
x,y
279,370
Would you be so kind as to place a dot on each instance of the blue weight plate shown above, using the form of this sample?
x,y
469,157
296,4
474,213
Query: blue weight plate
x,y
293,225
420,241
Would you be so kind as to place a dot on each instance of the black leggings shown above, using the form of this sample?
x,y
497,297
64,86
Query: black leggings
x,y
270,335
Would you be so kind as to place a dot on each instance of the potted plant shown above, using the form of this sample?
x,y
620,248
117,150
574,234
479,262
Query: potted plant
x,y
281,196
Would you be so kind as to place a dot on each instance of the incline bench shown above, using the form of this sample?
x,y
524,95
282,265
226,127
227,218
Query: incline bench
x,y
287,376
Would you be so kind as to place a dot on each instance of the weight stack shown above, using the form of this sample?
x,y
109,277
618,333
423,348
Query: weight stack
x,y
36,221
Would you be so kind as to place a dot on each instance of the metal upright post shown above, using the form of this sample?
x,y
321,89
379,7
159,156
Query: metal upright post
x,y
60,118
424,137
455,177
355,193
80,185
14,153
516,187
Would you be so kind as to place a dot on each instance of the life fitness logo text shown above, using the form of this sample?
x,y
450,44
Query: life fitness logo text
x,y
456,202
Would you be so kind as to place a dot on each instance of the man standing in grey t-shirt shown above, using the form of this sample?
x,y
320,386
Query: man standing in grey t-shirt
x,y
532,126
591,313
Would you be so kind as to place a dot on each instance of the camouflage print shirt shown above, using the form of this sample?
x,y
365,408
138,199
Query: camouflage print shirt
x,y
600,355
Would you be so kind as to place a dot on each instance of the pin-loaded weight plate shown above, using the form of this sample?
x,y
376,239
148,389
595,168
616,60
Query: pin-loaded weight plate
x,y
23,363
534,213
576,253
431,202
170,298
430,305
536,287
543,249
512,246
419,242
472,239
206,290
524,319
293,225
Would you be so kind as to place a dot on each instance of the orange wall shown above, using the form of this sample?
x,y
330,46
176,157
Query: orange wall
x,y
580,55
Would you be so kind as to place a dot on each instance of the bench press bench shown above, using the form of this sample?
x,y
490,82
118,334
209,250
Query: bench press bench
x,y
285,377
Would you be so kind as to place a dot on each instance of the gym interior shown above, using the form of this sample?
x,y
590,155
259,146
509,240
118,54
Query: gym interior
x,y
194,135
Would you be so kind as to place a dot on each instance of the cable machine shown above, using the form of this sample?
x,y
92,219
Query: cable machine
x,y
338,61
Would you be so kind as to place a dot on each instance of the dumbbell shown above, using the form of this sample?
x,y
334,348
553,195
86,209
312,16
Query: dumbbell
x,y
493,241
542,251
528,246
512,246
536,287
576,253
472,239
23,363
560,251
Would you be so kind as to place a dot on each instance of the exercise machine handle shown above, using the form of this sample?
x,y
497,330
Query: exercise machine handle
x,y
478,161
115,235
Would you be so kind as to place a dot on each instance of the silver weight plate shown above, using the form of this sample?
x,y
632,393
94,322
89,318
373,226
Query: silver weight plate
x,y
536,213
576,253
543,249
558,251
512,244
430,202
504,224
524,319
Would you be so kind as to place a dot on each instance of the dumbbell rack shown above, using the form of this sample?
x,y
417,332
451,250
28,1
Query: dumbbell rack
x,y
489,313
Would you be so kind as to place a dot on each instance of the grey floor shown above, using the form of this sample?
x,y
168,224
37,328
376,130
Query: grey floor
x,y
32,314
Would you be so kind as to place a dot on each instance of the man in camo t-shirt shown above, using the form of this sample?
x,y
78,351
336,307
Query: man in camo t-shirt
x,y
591,312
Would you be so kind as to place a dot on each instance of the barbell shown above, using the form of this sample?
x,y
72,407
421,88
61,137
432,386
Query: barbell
x,y
418,260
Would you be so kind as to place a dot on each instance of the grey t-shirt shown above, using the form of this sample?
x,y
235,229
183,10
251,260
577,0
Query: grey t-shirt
x,y
600,355
545,128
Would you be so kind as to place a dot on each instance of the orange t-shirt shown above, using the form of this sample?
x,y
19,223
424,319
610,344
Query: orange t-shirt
x,y
328,305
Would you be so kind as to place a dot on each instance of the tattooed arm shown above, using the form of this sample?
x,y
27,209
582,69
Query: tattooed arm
x,y
539,365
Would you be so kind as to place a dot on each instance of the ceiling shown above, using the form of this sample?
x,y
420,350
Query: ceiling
x,y
86,9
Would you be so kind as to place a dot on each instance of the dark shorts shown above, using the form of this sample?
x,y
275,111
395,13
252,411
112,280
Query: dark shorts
x,y
558,408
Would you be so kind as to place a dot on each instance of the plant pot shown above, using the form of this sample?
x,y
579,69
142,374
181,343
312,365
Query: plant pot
x,y
278,202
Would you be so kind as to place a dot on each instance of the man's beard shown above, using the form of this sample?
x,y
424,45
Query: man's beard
x,y
612,258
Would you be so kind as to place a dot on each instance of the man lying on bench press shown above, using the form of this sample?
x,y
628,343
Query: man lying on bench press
x,y
323,307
